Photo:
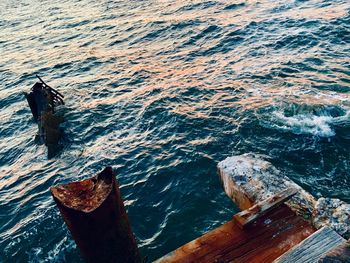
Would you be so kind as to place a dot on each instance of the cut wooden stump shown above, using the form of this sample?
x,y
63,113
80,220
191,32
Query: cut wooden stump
x,y
272,235
253,213
95,215
313,248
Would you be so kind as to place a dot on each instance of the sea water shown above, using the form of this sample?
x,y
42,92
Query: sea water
x,y
162,91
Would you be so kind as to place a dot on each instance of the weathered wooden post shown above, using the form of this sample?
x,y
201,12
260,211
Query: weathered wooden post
x,y
95,215
42,100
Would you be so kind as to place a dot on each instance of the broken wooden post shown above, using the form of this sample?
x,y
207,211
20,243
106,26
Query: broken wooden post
x,y
42,100
95,215
50,132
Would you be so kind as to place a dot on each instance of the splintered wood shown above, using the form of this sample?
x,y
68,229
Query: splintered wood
x,y
268,238
253,213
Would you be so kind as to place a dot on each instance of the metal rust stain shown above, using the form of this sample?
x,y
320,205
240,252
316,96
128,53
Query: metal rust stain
x,y
263,241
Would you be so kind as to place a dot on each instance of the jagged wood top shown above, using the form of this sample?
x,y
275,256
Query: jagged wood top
x,y
86,195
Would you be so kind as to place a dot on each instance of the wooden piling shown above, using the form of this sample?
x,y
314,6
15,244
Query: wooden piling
x,y
42,100
95,215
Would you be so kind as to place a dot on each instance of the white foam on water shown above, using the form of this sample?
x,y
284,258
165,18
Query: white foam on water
x,y
306,123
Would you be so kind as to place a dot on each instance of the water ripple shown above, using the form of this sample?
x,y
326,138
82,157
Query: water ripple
x,y
162,92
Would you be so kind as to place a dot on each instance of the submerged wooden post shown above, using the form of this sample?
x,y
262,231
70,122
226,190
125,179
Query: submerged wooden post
x,y
42,100
95,215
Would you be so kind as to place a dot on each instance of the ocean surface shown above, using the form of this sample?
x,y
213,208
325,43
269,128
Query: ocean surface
x,y
162,91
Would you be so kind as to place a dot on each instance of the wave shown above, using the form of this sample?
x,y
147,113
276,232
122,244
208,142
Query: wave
x,y
317,120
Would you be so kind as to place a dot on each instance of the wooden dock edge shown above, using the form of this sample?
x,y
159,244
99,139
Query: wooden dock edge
x,y
313,247
266,237
255,185
339,254
251,178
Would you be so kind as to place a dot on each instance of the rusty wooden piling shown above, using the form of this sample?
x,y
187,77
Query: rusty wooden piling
x,y
95,215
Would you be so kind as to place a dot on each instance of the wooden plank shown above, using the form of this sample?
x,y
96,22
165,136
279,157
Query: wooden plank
x,y
340,254
267,239
312,248
250,215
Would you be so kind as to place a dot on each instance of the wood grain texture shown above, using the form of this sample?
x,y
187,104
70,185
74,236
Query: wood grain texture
x,y
263,241
340,254
253,213
94,213
313,247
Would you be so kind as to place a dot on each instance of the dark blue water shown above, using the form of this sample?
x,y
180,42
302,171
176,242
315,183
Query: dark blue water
x,y
162,91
